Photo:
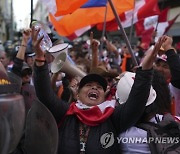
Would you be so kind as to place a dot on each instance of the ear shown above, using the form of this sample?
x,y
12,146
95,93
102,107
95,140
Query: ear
x,y
77,94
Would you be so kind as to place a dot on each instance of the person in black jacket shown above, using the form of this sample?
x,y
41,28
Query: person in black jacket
x,y
91,124
169,65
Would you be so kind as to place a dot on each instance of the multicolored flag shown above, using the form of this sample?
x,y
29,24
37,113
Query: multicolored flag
x,y
88,15
68,6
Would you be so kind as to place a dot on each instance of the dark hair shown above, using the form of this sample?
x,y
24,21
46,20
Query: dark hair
x,y
162,103
27,71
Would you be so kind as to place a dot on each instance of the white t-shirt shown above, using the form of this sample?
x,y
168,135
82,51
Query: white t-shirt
x,y
140,135
139,147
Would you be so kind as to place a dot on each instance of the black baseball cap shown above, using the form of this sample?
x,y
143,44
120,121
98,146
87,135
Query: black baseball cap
x,y
93,78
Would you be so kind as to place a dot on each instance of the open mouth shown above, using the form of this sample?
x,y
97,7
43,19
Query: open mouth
x,y
93,95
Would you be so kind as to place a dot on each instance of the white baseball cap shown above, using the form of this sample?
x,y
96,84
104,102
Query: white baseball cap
x,y
124,87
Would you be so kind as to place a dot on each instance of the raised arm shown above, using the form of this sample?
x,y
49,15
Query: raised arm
x,y
130,112
18,61
173,61
94,46
42,81
111,47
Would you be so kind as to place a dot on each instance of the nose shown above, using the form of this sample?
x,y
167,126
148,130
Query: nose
x,y
94,87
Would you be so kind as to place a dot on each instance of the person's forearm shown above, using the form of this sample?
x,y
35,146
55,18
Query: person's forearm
x,y
112,48
22,50
95,61
174,64
46,94
17,66
135,104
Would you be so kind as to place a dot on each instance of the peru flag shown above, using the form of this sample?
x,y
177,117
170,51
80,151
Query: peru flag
x,y
142,9
150,22
170,23
146,27
146,24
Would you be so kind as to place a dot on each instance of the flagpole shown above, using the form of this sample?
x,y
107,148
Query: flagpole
x,y
104,29
123,33
31,10
132,23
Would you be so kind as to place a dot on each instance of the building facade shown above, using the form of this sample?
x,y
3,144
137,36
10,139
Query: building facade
x,y
6,20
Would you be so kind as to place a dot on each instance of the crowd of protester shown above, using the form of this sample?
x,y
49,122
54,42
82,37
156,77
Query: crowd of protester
x,y
87,107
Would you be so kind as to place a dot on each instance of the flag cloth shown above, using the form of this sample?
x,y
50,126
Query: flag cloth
x,y
151,22
95,3
146,27
79,32
143,9
51,6
146,24
163,15
84,17
170,23
163,27
69,6
146,37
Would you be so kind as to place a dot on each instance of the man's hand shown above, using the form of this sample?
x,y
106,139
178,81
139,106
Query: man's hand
x,y
151,56
26,36
94,46
36,43
94,43
167,43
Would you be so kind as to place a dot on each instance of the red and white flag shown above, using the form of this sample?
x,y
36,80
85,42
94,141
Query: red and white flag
x,y
142,9
169,24
147,26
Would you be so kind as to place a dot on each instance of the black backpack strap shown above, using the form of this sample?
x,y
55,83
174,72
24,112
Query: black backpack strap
x,y
168,127
146,125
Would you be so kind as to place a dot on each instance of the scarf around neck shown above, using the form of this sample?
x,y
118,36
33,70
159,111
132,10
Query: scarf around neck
x,y
92,116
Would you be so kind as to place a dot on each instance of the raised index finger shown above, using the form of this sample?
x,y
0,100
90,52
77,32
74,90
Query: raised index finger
x,y
91,37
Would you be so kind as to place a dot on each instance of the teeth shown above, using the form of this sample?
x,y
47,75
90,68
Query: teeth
x,y
93,95
92,98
